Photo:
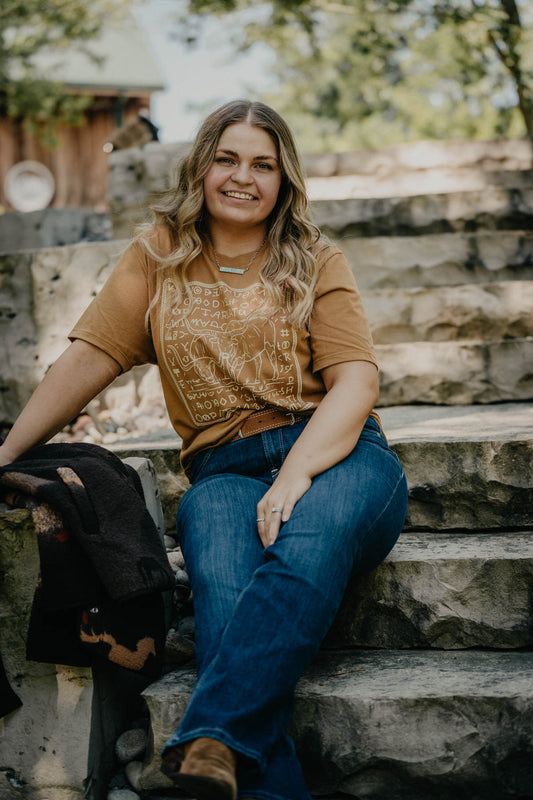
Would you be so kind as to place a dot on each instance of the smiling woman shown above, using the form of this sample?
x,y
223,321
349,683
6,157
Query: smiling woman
x,y
270,378
241,188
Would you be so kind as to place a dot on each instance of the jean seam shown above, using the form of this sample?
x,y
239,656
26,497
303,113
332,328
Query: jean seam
x,y
281,447
392,496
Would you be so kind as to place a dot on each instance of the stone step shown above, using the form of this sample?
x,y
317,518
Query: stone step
x,y
486,312
416,182
456,373
439,259
493,208
448,591
397,725
468,467
418,158
432,166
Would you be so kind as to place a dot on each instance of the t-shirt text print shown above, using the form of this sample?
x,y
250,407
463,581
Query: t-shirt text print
x,y
222,356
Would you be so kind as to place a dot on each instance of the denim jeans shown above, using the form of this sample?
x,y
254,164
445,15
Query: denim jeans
x,y
262,613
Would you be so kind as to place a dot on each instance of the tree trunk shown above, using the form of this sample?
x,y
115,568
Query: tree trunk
x,y
509,33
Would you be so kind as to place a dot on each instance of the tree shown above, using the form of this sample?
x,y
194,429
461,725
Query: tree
x,y
359,72
28,27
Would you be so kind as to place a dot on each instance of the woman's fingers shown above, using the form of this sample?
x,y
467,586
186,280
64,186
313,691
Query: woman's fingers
x,y
269,518
268,525
276,508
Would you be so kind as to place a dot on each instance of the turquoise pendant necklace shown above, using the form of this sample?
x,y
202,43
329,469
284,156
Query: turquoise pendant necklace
x,y
234,270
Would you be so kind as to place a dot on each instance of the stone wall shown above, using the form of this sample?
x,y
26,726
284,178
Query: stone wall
x,y
40,758
58,745
42,294
51,227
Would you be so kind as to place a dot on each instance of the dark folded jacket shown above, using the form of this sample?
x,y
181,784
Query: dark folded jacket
x,y
103,565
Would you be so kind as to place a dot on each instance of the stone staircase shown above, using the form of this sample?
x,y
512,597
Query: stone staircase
x,y
424,687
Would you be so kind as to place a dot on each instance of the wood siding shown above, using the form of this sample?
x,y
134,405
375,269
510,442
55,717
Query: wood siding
x,y
79,164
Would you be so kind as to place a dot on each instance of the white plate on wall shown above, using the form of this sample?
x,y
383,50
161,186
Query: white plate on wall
x,y
29,186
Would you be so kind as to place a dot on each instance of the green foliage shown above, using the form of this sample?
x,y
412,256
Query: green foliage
x,y
30,26
364,73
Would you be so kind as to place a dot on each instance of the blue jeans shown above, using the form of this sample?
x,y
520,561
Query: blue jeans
x,y
261,614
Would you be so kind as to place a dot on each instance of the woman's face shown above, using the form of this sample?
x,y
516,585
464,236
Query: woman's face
x,y
242,184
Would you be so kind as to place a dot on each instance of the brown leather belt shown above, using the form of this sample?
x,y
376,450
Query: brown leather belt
x,y
266,420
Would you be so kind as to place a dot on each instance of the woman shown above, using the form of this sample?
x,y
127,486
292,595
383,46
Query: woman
x,y
270,378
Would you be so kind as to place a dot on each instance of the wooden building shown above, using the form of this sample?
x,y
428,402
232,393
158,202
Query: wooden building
x,y
121,83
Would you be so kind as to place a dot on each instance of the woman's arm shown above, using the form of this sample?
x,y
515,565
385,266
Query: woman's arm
x,y
352,391
77,376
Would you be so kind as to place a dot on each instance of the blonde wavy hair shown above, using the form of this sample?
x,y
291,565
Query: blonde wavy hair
x,y
290,272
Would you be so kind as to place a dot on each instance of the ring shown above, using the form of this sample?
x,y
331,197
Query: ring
x,y
260,519
277,510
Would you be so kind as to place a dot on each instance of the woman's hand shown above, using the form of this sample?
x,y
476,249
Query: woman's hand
x,y
278,503
332,432
5,457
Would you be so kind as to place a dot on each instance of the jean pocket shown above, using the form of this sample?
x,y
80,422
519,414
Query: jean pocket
x,y
199,463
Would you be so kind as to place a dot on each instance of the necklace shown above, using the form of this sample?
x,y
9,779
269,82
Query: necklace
x,y
234,270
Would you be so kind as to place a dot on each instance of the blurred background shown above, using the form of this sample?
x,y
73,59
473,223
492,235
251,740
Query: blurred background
x,y
81,79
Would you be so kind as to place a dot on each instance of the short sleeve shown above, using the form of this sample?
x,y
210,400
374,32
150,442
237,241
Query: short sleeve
x,y
115,320
339,328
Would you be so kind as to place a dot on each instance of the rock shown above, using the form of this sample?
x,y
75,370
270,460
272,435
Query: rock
x,y
440,259
186,627
175,557
428,166
447,591
468,485
44,744
182,579
169,542
133,175
42,295
147,475
487,312
490,209
164,453
450,424
486,157
458,373
178,649
130,745
52,227
122,794
118,781
453,724
408,184
133,772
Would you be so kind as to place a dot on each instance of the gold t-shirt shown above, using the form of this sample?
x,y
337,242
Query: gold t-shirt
x,y
218,361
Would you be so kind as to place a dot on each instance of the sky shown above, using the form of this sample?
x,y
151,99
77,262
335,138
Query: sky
x,y
209,74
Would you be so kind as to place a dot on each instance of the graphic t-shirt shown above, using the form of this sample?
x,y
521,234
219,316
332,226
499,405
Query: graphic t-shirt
x,y
221,355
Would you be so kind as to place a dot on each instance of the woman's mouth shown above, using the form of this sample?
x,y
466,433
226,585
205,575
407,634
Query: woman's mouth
x,y
240,195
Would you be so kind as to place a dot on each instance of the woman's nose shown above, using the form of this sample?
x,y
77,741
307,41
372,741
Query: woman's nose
x,y
242,173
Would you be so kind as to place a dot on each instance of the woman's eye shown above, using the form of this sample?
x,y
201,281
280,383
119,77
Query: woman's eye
x,y
224,160
264,166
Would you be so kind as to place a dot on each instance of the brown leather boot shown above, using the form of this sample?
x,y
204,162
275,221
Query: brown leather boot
x,y
207,770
